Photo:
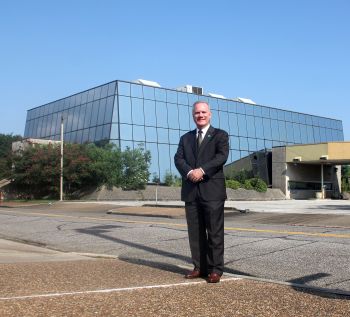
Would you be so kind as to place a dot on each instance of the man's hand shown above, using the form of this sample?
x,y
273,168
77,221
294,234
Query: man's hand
x,y
196,175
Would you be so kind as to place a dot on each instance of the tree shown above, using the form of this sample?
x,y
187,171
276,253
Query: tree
x,y
6,143
135,168
106,164
6,153
77,173
36,170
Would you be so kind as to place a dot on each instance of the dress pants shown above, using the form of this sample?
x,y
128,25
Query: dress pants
x,y
205,222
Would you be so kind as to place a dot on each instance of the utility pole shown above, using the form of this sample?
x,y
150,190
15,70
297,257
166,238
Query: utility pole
x,y
61,171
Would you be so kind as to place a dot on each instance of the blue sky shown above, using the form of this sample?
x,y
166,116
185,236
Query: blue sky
x,y
287,54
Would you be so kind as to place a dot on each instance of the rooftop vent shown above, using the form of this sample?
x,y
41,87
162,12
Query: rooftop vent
x,y
246,100
147,82
191,89
216,95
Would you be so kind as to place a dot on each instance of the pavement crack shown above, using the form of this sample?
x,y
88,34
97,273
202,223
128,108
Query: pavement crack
x,y
271,252
246,243
169,228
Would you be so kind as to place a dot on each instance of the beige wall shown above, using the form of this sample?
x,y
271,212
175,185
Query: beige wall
x,y
310,152
336,151
339,150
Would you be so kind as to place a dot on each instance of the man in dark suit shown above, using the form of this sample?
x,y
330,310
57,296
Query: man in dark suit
x,y
200,157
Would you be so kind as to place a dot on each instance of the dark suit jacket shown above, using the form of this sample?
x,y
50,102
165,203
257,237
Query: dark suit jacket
x,y
211,157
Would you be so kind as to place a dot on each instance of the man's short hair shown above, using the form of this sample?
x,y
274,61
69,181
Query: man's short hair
x,y
200,101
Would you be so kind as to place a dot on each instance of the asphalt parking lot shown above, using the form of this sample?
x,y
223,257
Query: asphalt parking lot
x,y
37,281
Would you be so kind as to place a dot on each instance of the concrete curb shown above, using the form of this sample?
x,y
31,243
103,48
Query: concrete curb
x,y
162,211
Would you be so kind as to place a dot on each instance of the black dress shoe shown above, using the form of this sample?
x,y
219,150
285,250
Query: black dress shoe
x,y
196,273
214,278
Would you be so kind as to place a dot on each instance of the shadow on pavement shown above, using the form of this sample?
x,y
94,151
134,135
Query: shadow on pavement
x,y
101,232
156,265
322,292
333,207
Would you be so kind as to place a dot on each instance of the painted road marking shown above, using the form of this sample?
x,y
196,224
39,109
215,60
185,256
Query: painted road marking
x,y
114,290
122,220
313,234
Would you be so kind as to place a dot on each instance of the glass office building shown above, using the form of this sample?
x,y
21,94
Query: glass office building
x,y
129,114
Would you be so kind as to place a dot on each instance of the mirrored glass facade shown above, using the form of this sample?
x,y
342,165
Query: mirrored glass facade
x,y
130,114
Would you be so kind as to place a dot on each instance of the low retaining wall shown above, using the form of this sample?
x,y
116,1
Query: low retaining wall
x,y
153,192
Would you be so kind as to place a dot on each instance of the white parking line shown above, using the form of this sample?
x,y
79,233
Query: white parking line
x,y
112,290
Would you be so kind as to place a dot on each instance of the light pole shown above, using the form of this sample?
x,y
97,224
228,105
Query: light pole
x,y
61,171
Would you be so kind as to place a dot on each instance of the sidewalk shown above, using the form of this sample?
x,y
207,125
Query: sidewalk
x,y
20,252
117,287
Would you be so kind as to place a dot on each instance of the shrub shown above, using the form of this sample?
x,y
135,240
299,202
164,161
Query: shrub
x,y
233,184
172,180
255,183
242,175
259,185
248,185
177,181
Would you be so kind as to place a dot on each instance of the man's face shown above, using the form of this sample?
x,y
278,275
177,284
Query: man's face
x,y
201,115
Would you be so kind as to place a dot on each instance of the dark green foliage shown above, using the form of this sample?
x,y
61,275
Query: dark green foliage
x,y
242,176
246,180
106,166
248,185
78,170
6,143
135,168
233,184
255,183
6,153
36,172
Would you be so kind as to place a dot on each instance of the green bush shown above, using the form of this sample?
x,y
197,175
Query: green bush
x,y
242,175
247,185
172,180
168,179
260,185
233,184
250,184
255,183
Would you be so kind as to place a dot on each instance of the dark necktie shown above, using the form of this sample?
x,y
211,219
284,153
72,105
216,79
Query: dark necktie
x,y
199,138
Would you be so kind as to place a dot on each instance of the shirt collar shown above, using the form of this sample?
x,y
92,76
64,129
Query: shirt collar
x,y
204,130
